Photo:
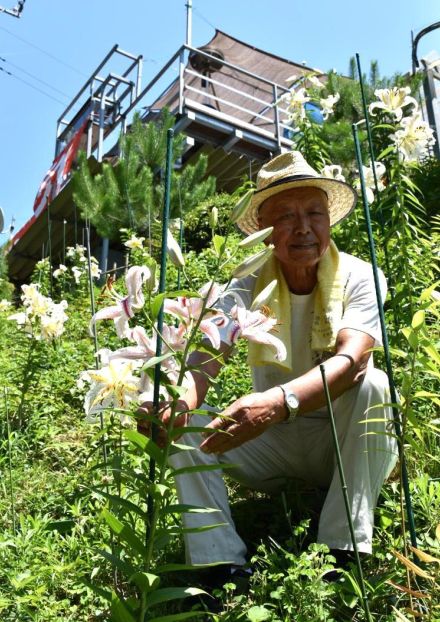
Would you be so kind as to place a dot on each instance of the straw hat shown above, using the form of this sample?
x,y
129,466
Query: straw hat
x,y
290,170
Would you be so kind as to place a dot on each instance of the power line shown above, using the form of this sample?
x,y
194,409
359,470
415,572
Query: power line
x,y
32,86
58,60
202,17
34,77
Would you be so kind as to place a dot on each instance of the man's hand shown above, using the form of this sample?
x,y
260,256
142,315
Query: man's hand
x,y
245,419
180,421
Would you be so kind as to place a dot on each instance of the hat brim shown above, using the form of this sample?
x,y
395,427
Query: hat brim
x,y
341,197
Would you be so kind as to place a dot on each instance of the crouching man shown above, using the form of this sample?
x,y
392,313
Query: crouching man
x,y
326,308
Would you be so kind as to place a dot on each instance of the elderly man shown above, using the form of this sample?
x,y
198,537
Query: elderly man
x,y
326,308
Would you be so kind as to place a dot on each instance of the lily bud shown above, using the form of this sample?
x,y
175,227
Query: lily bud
x,y
213,218
264,295
255,238
242,205
252,263
174,252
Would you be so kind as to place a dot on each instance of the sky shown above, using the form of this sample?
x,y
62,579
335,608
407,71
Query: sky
x,y
56,44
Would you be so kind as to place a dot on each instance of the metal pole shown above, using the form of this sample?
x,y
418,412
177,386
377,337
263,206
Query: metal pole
x,y
373,159
188,22
159,327
277,116
386,348
49,244
64,241
344,492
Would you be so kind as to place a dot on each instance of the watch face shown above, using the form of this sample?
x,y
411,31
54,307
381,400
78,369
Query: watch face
x,y
292,402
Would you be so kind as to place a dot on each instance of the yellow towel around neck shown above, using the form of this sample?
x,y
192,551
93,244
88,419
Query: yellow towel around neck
x,y
328,308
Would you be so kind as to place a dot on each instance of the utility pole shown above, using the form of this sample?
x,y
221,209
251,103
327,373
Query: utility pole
x,y
15,11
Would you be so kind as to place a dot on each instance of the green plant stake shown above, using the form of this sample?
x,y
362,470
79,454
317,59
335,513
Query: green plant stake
x,y
386,348
161,290
344,493
11,485
373,159
95,336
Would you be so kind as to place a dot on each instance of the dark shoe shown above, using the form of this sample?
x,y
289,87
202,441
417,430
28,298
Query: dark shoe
x,y
344,559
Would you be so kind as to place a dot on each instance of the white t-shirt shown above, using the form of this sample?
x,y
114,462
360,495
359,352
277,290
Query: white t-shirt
x,y
360,312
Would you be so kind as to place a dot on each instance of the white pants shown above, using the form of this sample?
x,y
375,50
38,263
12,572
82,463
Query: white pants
x,y
304,450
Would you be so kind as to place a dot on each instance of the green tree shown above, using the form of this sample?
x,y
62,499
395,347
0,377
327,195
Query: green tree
x,y
129,194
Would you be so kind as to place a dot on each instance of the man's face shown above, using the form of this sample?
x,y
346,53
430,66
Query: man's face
x,y
301,225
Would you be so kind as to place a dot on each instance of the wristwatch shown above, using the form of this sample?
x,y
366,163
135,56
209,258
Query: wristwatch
x,y
292,403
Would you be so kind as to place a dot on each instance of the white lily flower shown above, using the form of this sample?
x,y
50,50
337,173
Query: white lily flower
x,y
249,265
5,305
125,307
112,386
393,100
213,217
77,273
255,238
255,326
242,206
315,81
188,310
295,101
134,242
174,251
95,271
75,251
264,295
59,271
414,138
327,104
21,318
36,304
369,180
333,171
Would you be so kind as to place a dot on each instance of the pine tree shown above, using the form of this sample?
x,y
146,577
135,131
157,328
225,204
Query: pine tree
x,y
129,194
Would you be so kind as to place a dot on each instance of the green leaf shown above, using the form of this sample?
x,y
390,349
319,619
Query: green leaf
x,y
124,503
432,353
418,320
118,563
62,526
180,508
179,616
411,337
144,443
156,359
172,593
219,243
157,301
179,567
105,594
124,532
145,581
258,613
119,611
199,529
176,391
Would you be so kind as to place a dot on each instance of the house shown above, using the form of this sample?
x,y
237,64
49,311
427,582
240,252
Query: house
x,y
226,99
